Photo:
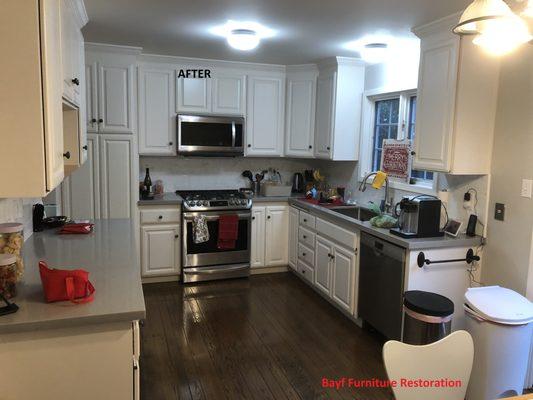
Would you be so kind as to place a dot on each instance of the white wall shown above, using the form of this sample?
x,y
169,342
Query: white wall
x,y
178,173
507,260
18,210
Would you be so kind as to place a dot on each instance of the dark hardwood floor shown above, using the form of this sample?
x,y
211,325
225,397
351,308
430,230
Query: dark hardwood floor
x,y
267,337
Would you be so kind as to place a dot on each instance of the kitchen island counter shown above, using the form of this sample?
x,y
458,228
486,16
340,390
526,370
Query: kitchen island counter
x,y
109,255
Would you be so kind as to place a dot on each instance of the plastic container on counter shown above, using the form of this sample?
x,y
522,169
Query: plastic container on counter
x,y
11,242
8,275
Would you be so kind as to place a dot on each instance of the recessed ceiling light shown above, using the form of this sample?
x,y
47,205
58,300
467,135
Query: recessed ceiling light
x,y
243,35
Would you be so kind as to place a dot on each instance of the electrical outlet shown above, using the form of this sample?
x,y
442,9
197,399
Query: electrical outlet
x,y
527,188
499,211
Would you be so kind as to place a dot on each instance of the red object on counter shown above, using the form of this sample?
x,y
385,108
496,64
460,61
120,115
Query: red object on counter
x,y
83,228
62,284
228,231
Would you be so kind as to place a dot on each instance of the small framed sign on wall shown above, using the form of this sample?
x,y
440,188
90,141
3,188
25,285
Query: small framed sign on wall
x,y
396,159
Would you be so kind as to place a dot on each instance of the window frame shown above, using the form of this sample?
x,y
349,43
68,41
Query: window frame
x,y
370,97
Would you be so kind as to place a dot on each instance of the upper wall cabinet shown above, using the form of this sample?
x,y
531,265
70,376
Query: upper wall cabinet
x,y
300,111
110,88
457,98
31,98
338,109
222,94
157,118
265,116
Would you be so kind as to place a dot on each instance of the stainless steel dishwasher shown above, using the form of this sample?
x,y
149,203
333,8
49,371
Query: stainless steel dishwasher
x,y
381,276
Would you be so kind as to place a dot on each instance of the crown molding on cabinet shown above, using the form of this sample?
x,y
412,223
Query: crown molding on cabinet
x,y
113,48
81,12
440,25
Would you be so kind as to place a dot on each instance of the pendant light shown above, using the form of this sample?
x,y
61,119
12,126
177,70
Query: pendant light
x,y
476,16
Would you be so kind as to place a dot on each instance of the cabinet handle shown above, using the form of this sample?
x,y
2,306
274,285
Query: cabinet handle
x,y
76,81
100,120
67,155
85,147
160,217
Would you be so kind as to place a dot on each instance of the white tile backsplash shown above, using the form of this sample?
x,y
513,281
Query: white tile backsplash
x,y
18,210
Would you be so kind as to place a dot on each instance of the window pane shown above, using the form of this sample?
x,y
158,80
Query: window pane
x,y
395,110
383,113
385,127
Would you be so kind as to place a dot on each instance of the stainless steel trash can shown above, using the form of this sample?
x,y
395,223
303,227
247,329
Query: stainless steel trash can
x,y
427,317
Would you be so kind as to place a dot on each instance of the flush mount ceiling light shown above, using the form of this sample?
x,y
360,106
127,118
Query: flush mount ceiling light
x,y
243,35
374,48
497,28
374,53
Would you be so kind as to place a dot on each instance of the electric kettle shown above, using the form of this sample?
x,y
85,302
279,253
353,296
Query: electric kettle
x,y
298,185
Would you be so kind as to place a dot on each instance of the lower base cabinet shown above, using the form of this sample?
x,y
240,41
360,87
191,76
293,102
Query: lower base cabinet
x,y
270,233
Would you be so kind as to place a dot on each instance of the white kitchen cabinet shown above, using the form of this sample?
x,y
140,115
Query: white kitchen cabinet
x,y
193,95
456,103
258,238
265,116
81,190
117,176
300,111
228,93
111,88
160,250
157,119
294,216
277,231
344,279
340,87
323,264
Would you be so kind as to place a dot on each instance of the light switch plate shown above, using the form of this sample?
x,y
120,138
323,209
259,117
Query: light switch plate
x,y
499,211
527,188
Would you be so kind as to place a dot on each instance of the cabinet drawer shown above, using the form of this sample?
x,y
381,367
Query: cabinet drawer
x,y
307,220
306,271
341,235
306,237
160,216
306,254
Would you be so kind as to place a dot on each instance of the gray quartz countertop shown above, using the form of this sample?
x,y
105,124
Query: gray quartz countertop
x,y
411,244
162,200
272,199
108,253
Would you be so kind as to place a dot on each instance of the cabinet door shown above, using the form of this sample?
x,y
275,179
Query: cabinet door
x,y
78,64
265,116
117,178
157,122
193,95
258,237
324,115
437,82
50,23
323,253
80,191
82,99
293,236
228,94
344,279
115,98
67,39
160,251
277,232
91,96
300,122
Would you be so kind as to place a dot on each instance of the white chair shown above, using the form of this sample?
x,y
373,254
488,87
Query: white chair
x,y
450,358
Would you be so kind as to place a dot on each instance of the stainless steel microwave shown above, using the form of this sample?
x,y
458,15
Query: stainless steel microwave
x,y
210,136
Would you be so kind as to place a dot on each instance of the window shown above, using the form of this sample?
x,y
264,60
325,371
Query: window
x,y
394,117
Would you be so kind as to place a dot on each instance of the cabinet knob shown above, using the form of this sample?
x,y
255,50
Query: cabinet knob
x,y
160,217
305,237
303,271
93,121
253,218
100,120
328,148
76,81
268,217
413,153
310,147
329,255
67,155
85,147
176,236
170,143
305,220
249,145
303,254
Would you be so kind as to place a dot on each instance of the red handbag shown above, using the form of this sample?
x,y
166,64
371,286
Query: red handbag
x,y
81,228
62,284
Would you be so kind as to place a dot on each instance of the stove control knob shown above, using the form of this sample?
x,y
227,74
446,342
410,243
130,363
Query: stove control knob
x,y
243,202
192,203
205,203
232,202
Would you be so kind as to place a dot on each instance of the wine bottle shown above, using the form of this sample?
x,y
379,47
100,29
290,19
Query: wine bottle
x,y
147,181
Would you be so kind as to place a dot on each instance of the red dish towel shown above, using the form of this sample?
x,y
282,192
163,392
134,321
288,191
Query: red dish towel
x,y
228,230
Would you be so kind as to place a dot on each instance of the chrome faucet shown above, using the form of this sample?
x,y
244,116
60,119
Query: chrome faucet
x,y
386,206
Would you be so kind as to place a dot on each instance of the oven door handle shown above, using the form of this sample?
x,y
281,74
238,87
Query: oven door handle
x,y
209,217
209,271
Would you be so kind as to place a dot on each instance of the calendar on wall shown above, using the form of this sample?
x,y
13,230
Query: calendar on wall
x,y
396,159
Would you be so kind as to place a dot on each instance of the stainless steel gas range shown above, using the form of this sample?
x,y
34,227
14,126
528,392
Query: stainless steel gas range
x,y
206,261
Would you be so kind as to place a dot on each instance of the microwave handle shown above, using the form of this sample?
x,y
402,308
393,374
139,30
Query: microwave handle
x,y
233,134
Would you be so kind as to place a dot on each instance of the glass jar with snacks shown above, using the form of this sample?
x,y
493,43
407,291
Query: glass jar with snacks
x,y
8,275
11,242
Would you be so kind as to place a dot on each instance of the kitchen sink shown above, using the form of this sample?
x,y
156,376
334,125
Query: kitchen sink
x,y
355,212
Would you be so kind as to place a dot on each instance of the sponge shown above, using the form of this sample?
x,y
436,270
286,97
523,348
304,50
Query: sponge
x,y
379,180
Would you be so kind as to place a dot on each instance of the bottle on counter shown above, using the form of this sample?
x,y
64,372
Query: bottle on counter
x,y
147,181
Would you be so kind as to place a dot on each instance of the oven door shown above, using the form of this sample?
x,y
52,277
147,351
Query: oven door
x,y
210,136
208,253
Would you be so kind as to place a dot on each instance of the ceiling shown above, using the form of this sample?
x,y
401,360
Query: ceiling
x,y
307,30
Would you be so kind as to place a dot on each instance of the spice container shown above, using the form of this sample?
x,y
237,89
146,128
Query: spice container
x,y
8,275
11,242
